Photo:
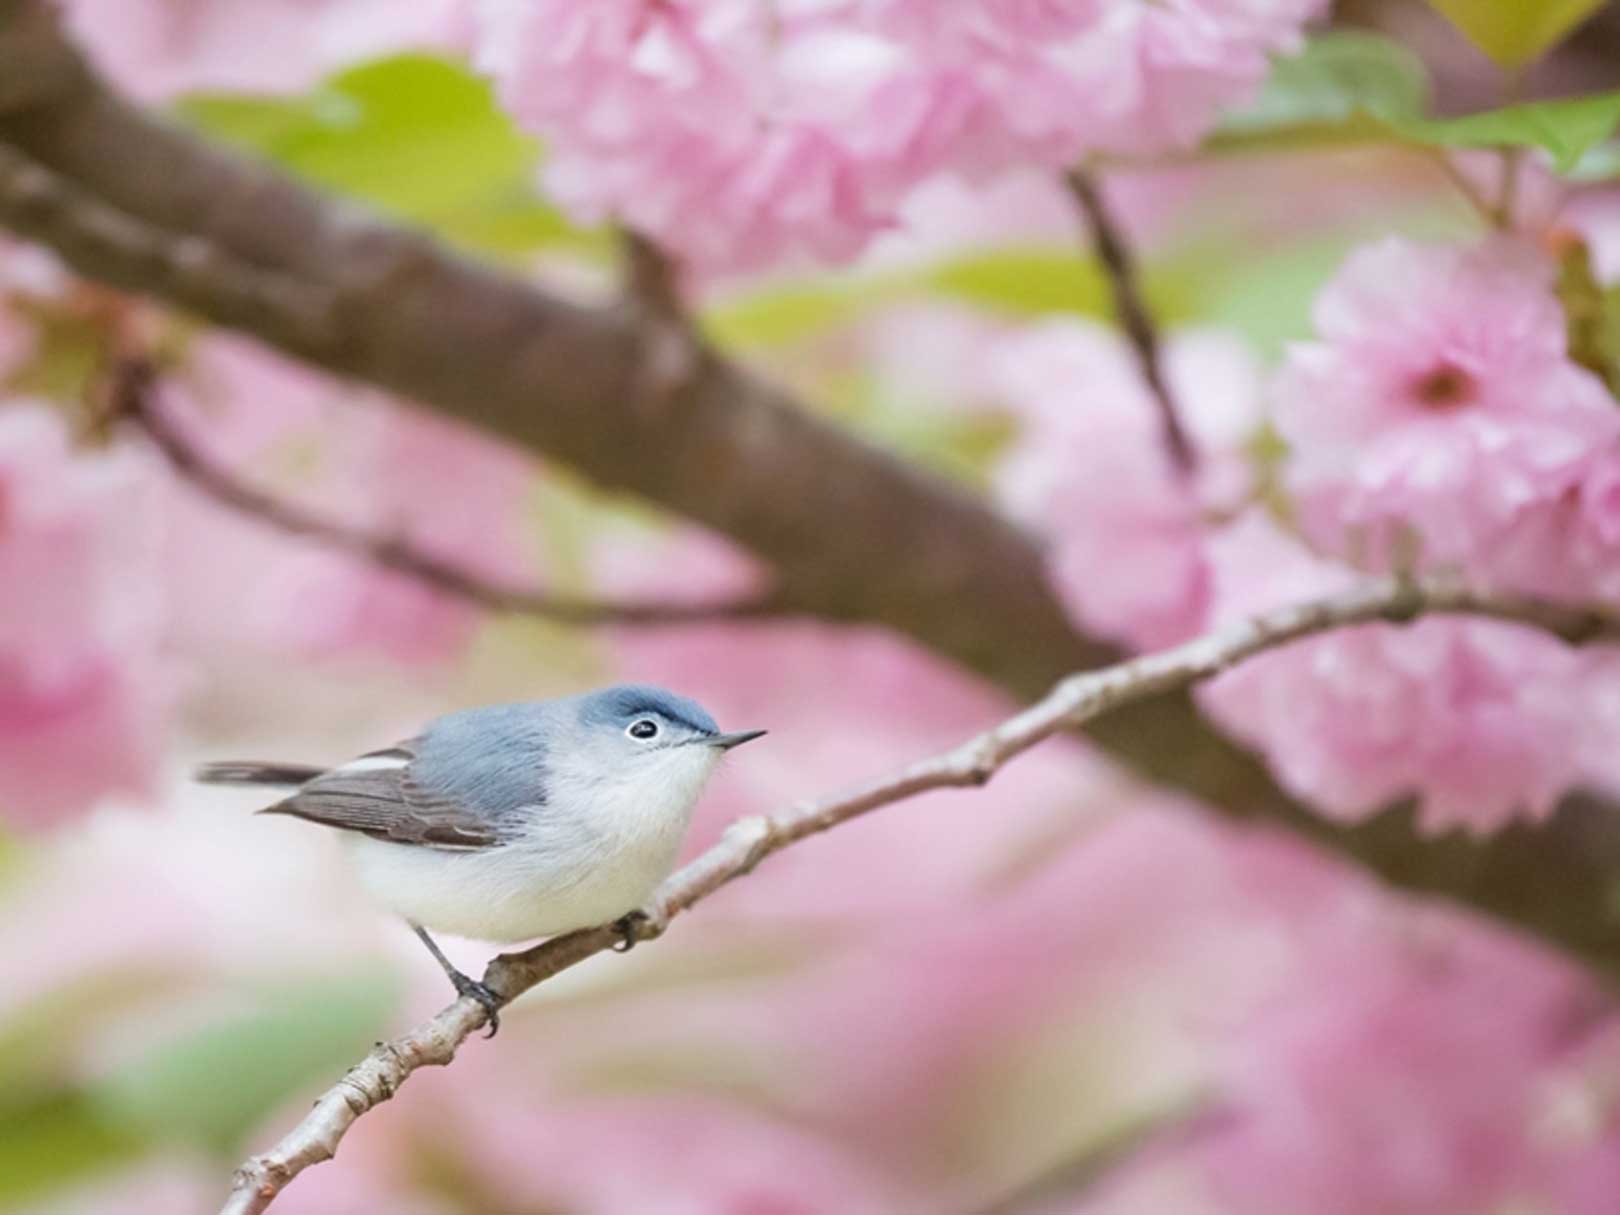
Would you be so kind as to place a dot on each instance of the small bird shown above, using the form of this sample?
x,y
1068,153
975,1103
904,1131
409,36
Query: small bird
x,y
516,821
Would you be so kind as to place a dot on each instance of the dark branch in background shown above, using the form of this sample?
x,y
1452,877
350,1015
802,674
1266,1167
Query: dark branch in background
x,y
1131,310
132,392
651,279
747,842
672,348
852,534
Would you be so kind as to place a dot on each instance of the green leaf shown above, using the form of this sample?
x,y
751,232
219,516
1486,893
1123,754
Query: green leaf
x,y
1515,32
1025,281
420,138
1019,282
1349,86
65,356
210,1086
779,316
1567,129
1334,90
40,1039
1590,309
57,1141
258,124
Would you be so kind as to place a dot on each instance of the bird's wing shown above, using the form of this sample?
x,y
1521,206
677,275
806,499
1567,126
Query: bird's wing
x,y
378,796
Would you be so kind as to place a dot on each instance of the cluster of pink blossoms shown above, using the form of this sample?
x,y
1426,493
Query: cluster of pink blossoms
x,y
1483,720
1126,542
739,133
1440,423
1437,424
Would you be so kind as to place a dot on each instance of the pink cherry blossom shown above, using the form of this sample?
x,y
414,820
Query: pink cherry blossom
x,y
1401,1074
713,126
1090,470
83,689
1404,1062
1058,80
1482,720
695,1154
740,134
1439,417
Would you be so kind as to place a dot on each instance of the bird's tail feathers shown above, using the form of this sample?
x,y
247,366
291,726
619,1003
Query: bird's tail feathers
x,y
250,772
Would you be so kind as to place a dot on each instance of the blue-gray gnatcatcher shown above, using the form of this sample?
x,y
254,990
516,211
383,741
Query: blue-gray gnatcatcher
x,y
515,821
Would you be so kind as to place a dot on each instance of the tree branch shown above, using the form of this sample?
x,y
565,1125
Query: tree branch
x,y
1132,312
1074,701
853,534
131,389
673,351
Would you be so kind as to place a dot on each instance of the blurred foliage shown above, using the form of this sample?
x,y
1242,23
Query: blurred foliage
x,y
1593,311
419,138
58,1130
1355,87
293,1034
1566,130
57,1140
66,353
1338,89
1516,32
1016,282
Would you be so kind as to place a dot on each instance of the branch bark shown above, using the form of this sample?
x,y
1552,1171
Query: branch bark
x,y
1076,700
1132,312
132,389
854,534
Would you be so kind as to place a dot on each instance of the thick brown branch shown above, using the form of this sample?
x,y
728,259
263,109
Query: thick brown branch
x,y
1078,699
1131,309
132,388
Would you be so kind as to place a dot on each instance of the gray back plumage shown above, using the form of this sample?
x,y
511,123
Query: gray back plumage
x,y
491,760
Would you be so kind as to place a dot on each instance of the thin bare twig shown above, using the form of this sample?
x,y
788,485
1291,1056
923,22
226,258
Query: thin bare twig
x,y
1507,190
747,842
132,392
1131,309
1464,186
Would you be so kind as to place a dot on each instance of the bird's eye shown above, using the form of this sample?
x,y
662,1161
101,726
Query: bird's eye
x,y
643,729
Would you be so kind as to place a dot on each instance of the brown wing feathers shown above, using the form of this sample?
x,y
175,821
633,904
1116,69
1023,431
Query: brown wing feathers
x,y
374,795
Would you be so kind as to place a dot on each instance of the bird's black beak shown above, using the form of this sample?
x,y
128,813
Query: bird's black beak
x,y
727,741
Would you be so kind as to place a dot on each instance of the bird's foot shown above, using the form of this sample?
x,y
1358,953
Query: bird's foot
x,y
466,985
629,927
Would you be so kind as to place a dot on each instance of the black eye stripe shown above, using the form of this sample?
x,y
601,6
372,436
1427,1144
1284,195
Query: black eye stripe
x,y
643,729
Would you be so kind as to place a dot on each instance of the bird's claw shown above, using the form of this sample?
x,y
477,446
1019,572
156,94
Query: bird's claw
x,y
468,986
628,926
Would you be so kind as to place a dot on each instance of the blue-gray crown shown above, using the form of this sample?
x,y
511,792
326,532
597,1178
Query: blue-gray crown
x,y
625,701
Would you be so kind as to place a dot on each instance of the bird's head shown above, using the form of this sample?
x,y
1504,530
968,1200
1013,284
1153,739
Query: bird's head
x,y
639,722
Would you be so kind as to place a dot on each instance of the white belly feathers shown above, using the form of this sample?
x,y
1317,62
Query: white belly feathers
x,y
603,861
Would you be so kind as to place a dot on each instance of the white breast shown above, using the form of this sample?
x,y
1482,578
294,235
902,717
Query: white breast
x,y
595,851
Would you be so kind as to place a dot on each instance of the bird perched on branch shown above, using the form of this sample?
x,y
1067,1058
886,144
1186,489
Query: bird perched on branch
x,y
515,821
